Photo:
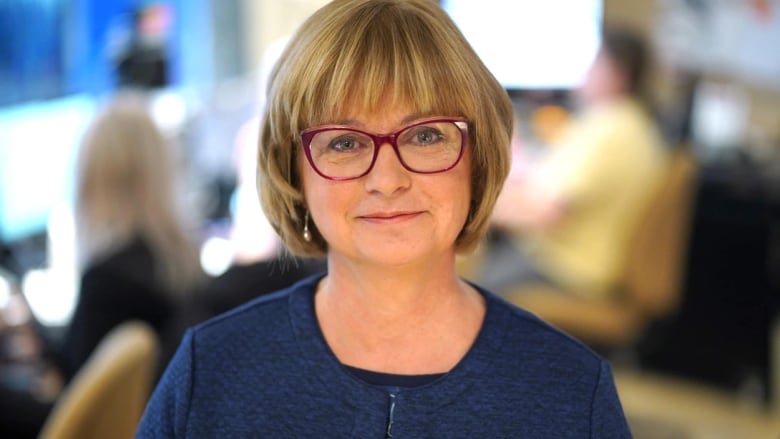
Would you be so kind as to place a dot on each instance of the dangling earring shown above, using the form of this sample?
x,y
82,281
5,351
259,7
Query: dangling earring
x,y
306,232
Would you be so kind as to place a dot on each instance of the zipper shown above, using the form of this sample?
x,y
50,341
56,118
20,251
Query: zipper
x,y
390,412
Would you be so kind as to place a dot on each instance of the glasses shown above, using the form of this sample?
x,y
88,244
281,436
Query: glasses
x,y
426,147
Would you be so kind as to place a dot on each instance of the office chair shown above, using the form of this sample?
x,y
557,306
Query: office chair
x,y
652,275
107,396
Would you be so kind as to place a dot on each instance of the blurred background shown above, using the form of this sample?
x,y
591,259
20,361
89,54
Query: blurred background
x,y
715,91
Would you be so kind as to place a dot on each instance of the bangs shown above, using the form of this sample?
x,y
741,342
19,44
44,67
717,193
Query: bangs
x,y
393,59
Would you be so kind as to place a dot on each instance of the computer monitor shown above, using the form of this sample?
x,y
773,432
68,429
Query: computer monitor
x,y
38,147
532,44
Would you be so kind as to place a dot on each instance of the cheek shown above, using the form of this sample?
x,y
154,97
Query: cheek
x,y
324,200
465,176
459,188
311,183
312,187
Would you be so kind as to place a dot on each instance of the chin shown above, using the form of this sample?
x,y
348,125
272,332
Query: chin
x,y
403,253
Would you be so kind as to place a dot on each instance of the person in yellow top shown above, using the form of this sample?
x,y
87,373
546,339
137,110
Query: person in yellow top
x,y
569,214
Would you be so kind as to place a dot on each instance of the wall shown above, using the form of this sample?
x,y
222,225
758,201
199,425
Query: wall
x,y
763,101
269,20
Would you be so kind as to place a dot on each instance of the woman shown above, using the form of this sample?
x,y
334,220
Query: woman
x,y
390,342
135,251
135,255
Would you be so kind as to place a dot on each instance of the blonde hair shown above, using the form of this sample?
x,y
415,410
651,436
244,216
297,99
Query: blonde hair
x,y
369,54
126,189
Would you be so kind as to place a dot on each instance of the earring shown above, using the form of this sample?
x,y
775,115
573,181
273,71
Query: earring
x,y
306,232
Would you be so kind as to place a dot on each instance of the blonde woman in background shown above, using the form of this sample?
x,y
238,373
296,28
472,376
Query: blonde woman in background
x,y
136,255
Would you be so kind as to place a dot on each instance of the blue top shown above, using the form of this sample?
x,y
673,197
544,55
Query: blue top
x,y
265,370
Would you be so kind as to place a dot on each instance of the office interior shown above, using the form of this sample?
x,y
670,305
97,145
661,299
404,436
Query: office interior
x,y
708,368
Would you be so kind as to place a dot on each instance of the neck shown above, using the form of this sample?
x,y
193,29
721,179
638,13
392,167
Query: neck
x,y
398,319
391,292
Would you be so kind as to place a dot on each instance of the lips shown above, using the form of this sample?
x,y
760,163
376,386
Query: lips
x,y
389,217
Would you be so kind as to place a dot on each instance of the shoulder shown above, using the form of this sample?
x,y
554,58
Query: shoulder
x,y
266,317
529,343
628,118
241,283
612,120
132,260
252,342
125,274
545,371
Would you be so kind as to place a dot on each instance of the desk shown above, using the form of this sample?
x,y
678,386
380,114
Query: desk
x,y
732,286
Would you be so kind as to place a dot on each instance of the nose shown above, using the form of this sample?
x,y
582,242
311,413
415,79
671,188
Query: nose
x,y
388,175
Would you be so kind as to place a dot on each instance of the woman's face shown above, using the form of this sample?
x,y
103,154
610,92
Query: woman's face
x,y
391,216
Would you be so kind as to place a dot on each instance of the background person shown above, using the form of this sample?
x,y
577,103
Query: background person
x,y
136,249
565,220
384,146
136,254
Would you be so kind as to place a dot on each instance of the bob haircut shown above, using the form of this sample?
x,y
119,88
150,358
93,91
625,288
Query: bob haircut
x,y
368,54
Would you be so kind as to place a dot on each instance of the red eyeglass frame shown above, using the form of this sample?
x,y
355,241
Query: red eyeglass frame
x,y
379,140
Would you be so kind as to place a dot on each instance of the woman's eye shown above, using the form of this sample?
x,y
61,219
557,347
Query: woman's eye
x,y
426,136
344,144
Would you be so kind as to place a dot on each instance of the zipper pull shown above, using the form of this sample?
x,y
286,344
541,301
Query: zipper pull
x,y
390,411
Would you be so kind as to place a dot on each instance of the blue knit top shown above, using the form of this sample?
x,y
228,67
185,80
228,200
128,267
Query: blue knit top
x,y
265,370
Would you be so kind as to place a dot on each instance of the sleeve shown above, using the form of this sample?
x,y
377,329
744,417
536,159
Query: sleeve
x,y
607,417
166,413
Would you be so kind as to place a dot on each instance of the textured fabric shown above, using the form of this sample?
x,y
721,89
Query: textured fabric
x,y
238,285
605,167
265,370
